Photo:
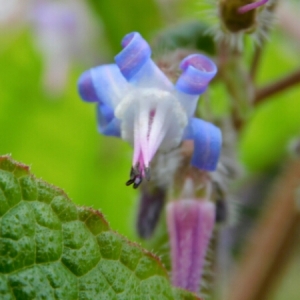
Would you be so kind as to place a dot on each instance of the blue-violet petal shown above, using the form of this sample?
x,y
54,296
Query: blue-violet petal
x,y
107,123
136,52
207,143
198,71
104,84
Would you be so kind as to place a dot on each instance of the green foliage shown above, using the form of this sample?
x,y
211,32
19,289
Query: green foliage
x,y
51,249
190,35
121,17
58,136
265,139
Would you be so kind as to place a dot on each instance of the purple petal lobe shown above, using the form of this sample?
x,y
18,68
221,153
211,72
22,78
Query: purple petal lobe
x,y
190,225
104,84
107,123
207,143
198,71
245,8
86,87
136,52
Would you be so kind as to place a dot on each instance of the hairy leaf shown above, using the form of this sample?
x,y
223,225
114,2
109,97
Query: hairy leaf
x,y
51,249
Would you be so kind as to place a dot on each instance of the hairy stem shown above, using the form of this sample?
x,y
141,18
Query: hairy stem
x,y
277,86
255,62
271,242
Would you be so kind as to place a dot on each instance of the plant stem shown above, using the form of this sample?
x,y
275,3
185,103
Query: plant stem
x,y
239,85
271,242
256,61
277,86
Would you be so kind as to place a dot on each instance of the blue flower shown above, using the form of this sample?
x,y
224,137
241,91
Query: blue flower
x,y
138,103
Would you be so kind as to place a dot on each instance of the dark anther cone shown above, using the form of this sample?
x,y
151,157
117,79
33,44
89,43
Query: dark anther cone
x,y
150,206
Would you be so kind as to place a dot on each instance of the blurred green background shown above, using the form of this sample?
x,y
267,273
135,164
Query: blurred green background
x,y
57,136
55,133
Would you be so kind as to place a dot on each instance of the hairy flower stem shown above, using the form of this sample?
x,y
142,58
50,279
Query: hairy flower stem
x,y
278,86
271,242
256,61
238,84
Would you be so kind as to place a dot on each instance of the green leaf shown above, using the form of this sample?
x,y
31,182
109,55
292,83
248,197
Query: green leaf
x,y
191,35
51,249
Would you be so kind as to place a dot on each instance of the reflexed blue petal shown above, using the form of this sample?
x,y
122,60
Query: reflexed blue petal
x,y
86,87
104,84
135,54
207,143
136,65
198,71
107,123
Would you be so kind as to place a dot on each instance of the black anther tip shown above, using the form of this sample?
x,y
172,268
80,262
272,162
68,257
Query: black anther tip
x,y
129,182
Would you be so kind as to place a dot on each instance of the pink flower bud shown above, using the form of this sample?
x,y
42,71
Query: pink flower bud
x,y
190,225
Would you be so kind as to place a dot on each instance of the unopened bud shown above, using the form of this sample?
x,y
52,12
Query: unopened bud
x,y
190,225
232,19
